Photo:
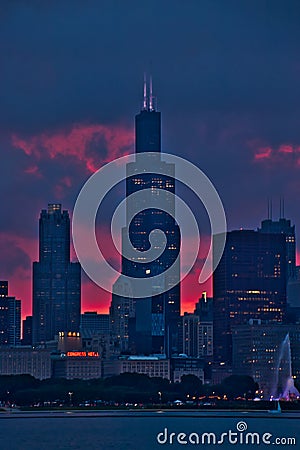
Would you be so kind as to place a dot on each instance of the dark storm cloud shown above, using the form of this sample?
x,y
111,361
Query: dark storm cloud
x,y
71,61
13,258
227,77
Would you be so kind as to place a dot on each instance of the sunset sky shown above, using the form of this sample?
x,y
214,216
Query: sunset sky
x,y
227,79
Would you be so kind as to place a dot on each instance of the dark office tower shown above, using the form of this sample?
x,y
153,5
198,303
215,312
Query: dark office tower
x,y
27,331
10,317
56,281
283,226
197,337
156,316
249,283
204,308
293,298
92,323
196,332
3,288
120,312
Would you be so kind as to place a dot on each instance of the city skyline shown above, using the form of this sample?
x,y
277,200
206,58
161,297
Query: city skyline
x,y
186,306
149,223
188,301
229,97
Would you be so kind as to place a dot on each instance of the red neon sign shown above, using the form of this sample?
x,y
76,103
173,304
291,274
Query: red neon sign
x,y
83,354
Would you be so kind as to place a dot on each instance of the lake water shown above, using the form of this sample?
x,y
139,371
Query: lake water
x,y
117,430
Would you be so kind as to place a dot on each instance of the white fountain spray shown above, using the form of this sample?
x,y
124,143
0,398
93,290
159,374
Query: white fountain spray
x,y
283,386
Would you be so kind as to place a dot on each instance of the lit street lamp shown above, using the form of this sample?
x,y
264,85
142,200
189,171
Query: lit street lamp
x,y
70,395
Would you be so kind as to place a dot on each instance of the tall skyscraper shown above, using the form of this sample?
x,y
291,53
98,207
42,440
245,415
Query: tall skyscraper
x,y
154,327
10,317
249,283
293,298
56,281
283,226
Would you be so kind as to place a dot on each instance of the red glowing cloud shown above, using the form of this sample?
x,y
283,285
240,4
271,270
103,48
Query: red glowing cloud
x,y
61,187
91,146
298,257
33,170
263,153
25,250
285,148
15,266
286,154
94,298
77,142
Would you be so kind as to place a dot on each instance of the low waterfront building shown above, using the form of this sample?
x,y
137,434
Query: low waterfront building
x,y
25,360
184,365
153,366
79,364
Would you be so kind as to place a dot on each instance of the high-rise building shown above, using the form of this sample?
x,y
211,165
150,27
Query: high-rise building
x,y
121,311
56,281
92,323
10,317
27,331
249,283
197,330
293,298
154,327
156,318
293,289
190,335
204,308
3,288
283,226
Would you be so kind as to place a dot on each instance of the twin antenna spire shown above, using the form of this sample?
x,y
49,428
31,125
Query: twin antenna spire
x,y
281,208
148,99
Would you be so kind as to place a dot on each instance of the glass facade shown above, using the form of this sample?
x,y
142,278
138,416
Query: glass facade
x,y
10,317
153,325
56,281
249,283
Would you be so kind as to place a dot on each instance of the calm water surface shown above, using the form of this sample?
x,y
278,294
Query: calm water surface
x,y
139,430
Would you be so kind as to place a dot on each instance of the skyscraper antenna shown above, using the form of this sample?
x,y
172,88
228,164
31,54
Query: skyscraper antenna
x,y
271,208
151,96
145,92
280,208
268,202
